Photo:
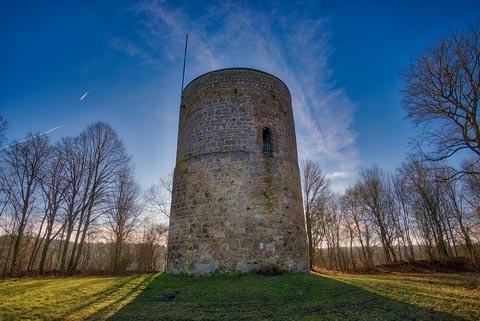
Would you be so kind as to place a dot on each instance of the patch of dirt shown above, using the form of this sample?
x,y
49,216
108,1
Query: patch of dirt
x,y
449,265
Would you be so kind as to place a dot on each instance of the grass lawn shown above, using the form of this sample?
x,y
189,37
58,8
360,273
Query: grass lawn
x,y
93,298
245,297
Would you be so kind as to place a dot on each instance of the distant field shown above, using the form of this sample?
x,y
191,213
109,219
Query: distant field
x,y
246,297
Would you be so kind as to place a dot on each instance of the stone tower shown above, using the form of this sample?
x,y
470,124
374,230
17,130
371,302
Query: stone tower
x,y
236,203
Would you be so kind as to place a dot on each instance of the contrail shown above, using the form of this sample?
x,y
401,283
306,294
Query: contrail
x,y
26,139
51,130
84,95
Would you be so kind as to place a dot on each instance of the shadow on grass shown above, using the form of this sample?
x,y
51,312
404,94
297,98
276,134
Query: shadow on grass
x,y
101,313
253,297
68,298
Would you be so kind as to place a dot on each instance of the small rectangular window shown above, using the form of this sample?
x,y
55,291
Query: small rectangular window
x,y
267,141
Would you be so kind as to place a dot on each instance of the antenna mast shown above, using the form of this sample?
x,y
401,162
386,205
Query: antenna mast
x,y
184,61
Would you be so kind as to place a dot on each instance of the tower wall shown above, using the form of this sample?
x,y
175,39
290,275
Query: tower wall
x,y
235,206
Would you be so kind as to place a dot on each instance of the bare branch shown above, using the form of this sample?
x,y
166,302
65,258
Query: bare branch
x,y
441,94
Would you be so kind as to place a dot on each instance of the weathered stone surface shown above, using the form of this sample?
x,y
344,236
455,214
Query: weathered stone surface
x,y
235,208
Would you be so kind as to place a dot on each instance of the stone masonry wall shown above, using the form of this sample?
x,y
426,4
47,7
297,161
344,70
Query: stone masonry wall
x,y
235,208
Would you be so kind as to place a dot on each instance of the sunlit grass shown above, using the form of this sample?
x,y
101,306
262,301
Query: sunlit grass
x,y
93,298
454,294
245,297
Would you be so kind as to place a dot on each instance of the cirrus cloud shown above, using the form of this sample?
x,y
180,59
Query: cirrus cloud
x,y
289,43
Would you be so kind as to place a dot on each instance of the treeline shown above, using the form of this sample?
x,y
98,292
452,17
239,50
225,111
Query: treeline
x,y
74,206
425,209
413,213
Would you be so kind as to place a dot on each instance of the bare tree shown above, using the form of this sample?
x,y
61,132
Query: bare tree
x,y
159,195
4,188
332,219
426,199
23,163
106,157
472,182
3,130
122,215
377,201
149,254
441,95
55,202
54,187
316,192
74,159
403,214
458,206
358,224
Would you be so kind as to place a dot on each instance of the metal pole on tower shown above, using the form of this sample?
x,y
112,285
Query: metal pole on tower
x,y
184,61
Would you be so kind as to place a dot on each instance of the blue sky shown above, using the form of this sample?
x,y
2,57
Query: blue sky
x,y
340,59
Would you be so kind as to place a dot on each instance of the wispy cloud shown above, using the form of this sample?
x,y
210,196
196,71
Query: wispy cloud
x,y
293,45
339,175
132,50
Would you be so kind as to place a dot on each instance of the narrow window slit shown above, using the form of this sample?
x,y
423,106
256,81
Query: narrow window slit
x,y
267,141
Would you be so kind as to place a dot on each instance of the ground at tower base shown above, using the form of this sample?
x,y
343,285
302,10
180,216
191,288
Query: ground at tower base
x,y
380,296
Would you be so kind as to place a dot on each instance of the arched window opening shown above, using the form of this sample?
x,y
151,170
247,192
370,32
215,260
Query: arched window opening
x,y
267,141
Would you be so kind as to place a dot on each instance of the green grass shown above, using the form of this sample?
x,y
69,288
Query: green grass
x,y
456,295
93,298
246,297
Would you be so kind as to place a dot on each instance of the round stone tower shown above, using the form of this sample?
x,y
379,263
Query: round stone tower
x,y
236,203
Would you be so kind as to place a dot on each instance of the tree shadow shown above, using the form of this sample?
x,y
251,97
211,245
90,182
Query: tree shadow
x,y
103,312
253,297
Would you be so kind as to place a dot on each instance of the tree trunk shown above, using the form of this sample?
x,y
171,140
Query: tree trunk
x,y
18,240
311,250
